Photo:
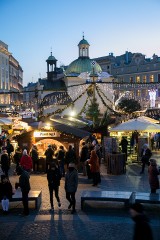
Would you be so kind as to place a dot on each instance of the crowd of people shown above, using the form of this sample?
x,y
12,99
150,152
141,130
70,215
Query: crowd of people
x,y
59,163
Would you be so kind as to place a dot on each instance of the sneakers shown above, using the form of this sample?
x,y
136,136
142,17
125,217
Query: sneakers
x,y
59,204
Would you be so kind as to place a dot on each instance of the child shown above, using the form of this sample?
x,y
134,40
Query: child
x,y
5,193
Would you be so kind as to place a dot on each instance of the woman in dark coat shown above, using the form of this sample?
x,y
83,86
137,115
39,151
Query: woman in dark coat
x,y
6,193
153,173
54,177
5,162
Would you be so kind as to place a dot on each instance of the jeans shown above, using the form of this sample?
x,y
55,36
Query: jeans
x,y
56,191
25,202
70,196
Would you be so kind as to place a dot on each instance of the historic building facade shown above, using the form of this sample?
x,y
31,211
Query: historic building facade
x,y
135,74
11,78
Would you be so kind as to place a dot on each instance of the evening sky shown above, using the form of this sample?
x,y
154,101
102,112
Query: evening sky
x,y
31,28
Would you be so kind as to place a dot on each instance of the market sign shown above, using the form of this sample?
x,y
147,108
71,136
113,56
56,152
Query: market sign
x,y
46,134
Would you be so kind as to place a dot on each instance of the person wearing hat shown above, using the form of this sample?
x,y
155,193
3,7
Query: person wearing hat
x,y
142,229
5,162
71,184
24,184
153,173
54,177
145,156
26,161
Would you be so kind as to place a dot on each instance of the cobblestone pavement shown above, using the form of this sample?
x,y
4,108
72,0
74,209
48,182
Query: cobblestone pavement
x,y
98,220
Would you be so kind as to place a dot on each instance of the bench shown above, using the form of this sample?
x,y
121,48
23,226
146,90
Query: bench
x,y
32,196
118,196
153,198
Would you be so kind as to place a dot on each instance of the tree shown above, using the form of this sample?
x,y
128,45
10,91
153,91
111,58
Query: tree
x,y
93,111
129,105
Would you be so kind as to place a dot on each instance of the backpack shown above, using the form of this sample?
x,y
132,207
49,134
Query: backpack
x,y
11,148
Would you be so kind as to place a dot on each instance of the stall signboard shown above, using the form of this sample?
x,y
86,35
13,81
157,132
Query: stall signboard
x,y
46,134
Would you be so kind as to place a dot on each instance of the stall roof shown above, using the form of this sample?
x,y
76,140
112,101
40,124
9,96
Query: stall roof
x,y
138,125
79,133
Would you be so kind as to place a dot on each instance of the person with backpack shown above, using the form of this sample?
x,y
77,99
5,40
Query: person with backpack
x,y
49,153
35,158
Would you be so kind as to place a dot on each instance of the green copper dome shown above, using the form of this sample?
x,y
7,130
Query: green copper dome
x,y
82,65
83,41
51,58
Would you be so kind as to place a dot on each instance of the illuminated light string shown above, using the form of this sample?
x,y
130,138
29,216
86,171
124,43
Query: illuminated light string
x,y
100,91
84,106
68,105
104,103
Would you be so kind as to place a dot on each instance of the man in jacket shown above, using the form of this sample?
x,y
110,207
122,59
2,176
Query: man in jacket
x,y
24,184
71,184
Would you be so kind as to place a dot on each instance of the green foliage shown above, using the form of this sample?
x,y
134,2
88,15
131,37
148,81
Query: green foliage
x,y
93,111
129,105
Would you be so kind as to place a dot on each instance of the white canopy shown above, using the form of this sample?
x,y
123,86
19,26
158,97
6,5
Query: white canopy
x,y
136,124
5,121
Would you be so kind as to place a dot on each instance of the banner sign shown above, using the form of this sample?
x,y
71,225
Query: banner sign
x,y
46,134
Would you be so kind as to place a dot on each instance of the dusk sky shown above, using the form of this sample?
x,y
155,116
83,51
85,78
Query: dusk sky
x,y
31,28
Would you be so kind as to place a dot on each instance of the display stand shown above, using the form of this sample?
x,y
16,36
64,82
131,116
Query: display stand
x,y
114,160
116,163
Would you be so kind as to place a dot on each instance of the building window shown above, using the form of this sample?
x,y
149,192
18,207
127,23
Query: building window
x,y
131,79
151,78
138,93
144,79
137,79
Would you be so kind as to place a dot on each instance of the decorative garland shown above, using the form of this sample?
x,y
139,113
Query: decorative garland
x,y
99,90
68,105
104,103
84,106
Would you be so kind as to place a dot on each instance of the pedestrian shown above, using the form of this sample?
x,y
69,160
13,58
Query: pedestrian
x,y
70,156
49,156
5,162
84,155
17,156
24,184
26,161
124,145
95,168
71,184
54,177
153,173
145,156
35,158
61,159
6,193
142,229
10,149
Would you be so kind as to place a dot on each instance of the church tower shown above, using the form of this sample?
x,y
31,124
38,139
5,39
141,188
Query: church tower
x,y
51,67
83,48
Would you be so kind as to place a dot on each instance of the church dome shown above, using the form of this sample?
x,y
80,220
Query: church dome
x,y
80,65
